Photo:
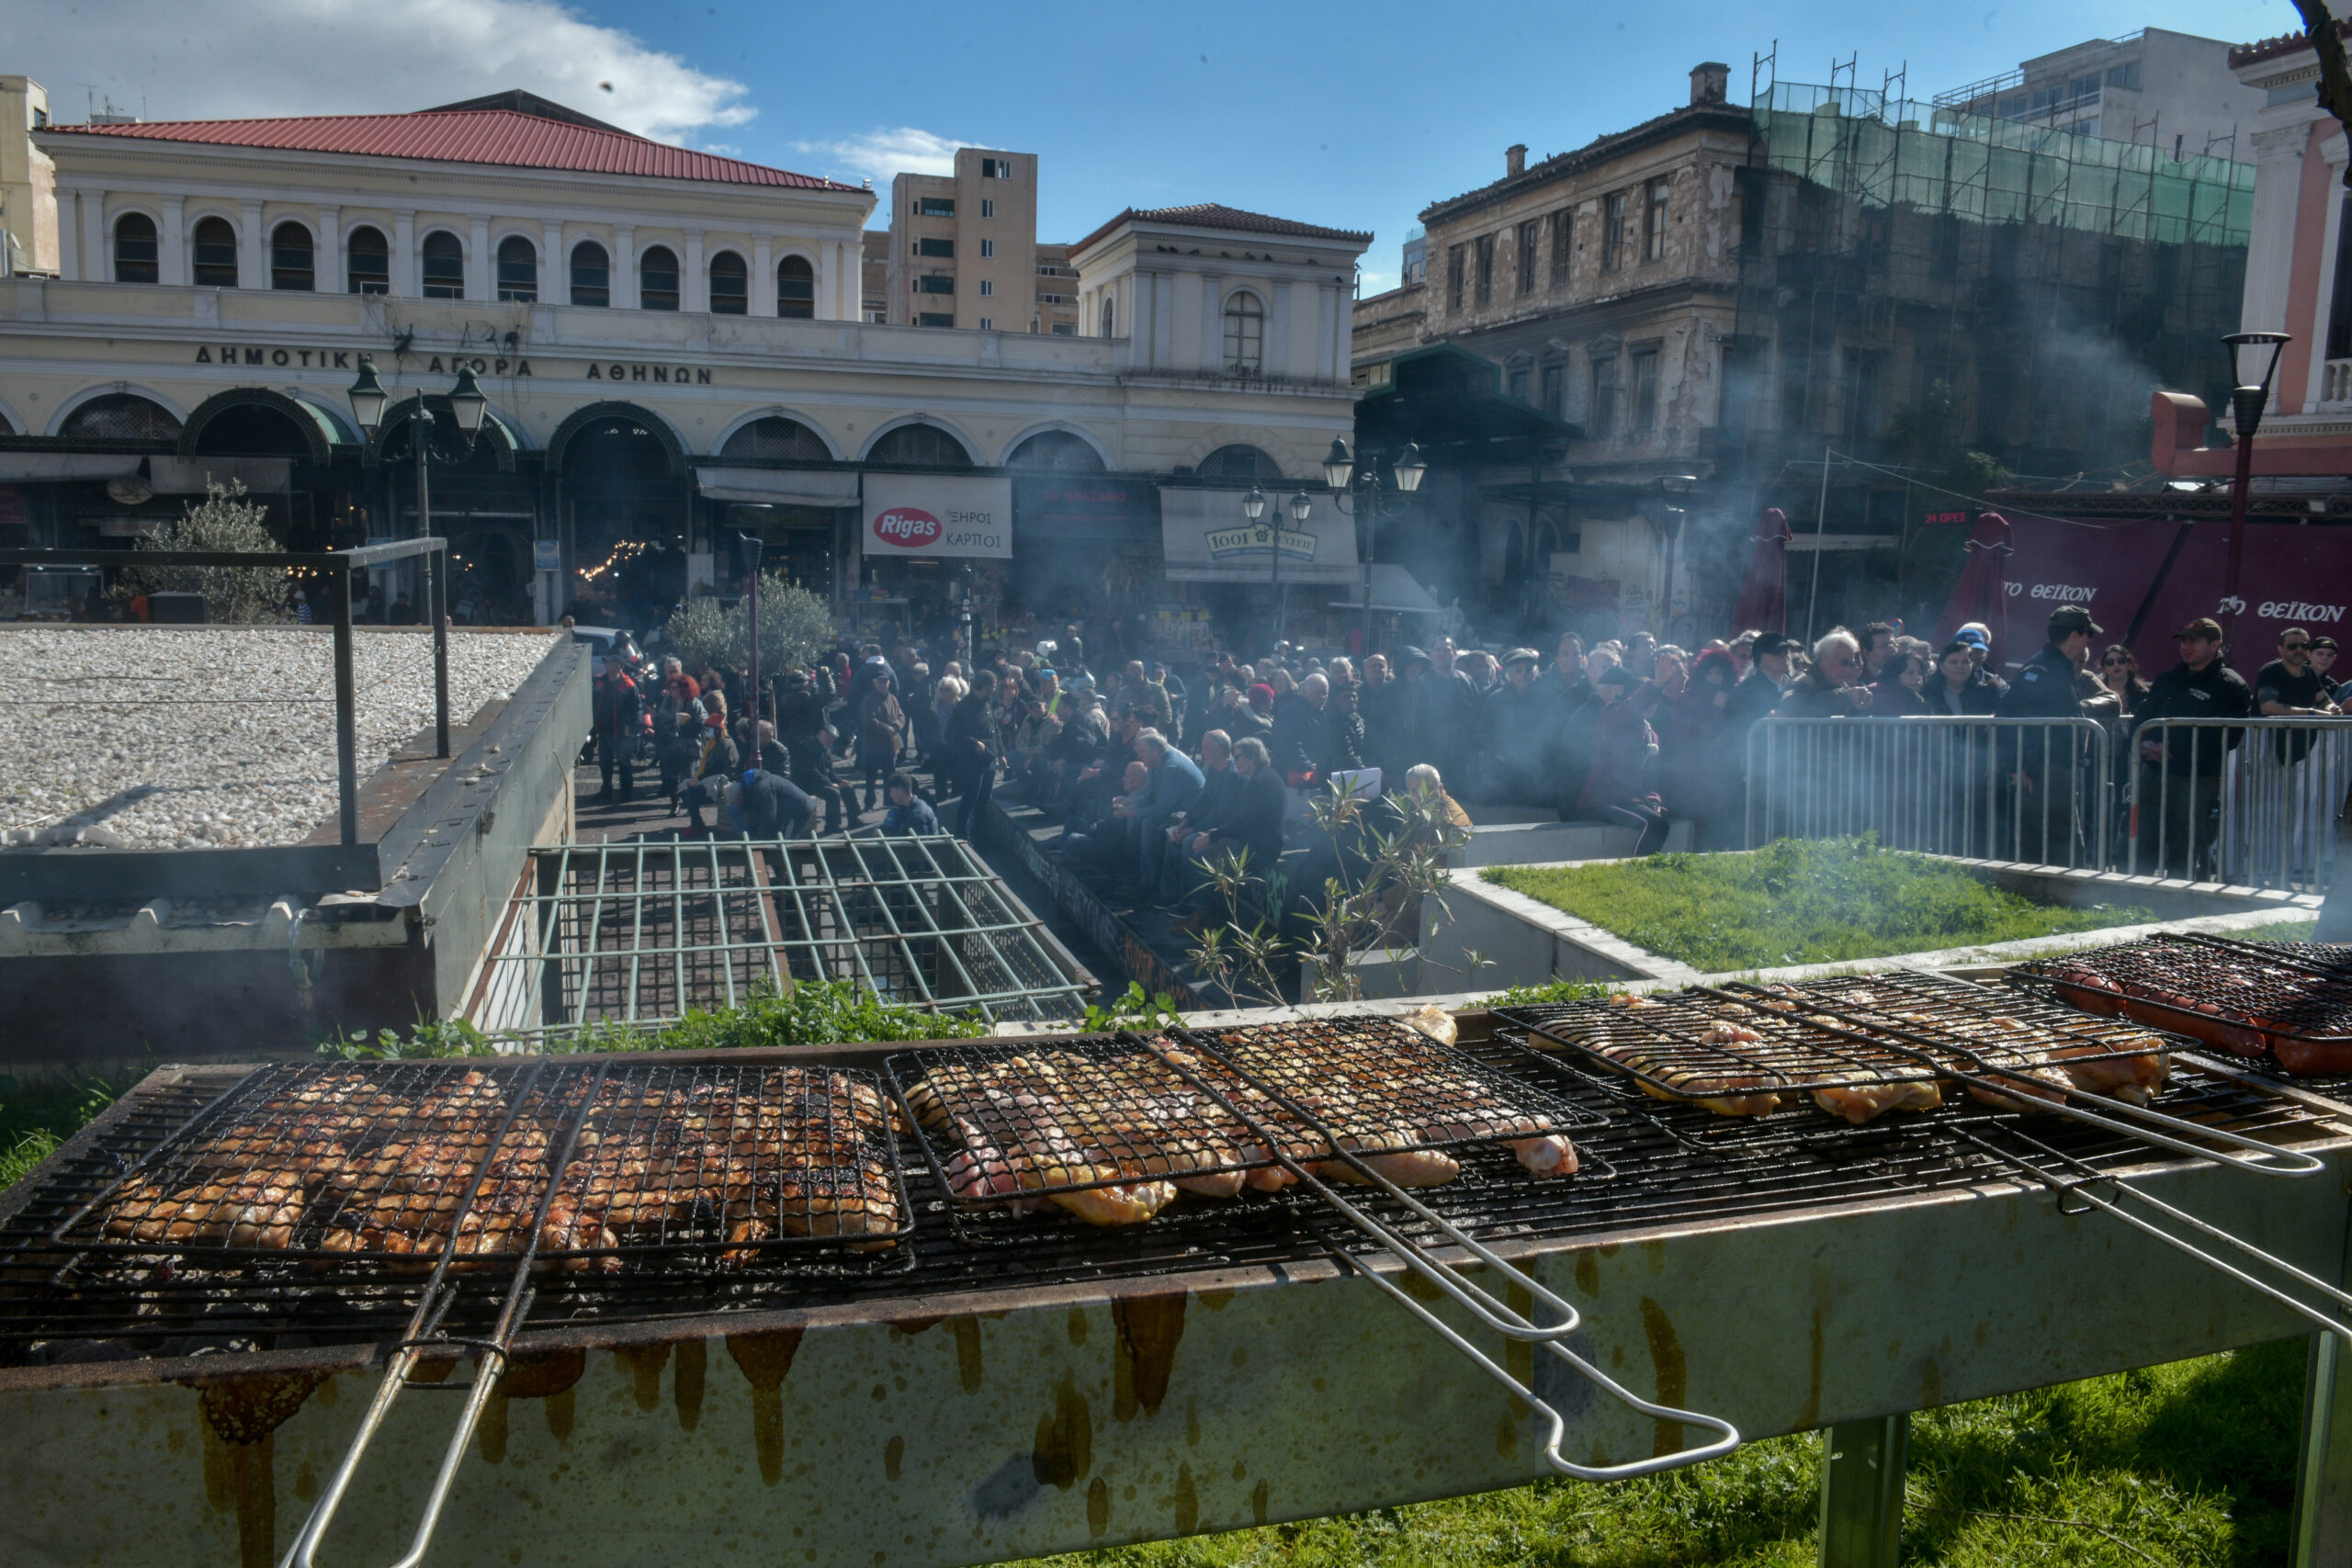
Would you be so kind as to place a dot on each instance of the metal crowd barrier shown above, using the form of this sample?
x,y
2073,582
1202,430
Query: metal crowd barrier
x,y
2251,801
2253,805
2012,789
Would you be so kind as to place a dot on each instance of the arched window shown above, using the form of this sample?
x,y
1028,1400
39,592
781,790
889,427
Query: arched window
x,y
518,270
444,266
216,255
121,416
730,285
921,446
292,262
1107,318
1244,334
796,288
134,249
1055,451
657,279
1241,461
369,267
592,275
775,437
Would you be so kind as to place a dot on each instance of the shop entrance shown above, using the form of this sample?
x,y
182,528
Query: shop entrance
x,y
625,516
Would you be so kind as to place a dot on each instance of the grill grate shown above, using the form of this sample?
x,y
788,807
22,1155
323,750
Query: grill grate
x,y
635,933
1745,1047
2289,1002
307,1179
1648,1166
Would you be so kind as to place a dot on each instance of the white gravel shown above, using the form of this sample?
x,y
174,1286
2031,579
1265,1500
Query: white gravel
x,y
206,737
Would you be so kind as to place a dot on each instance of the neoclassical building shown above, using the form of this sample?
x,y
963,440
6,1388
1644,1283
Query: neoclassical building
x,y
672,349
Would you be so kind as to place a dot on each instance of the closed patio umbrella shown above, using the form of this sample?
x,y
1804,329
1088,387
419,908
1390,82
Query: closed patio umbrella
x,y
1764,591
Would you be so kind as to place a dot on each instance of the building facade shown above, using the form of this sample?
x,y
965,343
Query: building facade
x,y
672,349
2172,91
1727,299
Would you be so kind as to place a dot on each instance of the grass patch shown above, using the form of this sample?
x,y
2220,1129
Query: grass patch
x,y
37,1114
1797,901
2189,1464
2277,931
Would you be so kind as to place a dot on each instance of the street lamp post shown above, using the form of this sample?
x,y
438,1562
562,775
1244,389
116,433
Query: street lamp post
x,y
1254,507
753,547
1356,486
467,406
2248,398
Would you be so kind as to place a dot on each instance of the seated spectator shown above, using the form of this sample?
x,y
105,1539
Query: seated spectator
x,y
1108,840
1253,830
1220,793
909,812
1518,721
1176,785
812,769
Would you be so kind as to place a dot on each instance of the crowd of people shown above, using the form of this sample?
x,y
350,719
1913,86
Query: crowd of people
x,y
1155,774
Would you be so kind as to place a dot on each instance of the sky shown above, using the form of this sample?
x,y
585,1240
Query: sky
x,y
1357,116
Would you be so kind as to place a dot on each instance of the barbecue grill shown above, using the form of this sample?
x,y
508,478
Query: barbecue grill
x,y
1098,1386
2015,1053
2286,1003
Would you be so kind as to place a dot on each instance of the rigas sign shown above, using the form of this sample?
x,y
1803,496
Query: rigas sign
x,y
928,514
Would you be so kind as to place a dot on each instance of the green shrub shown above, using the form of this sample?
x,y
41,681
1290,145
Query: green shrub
x,y
816,1012
795,626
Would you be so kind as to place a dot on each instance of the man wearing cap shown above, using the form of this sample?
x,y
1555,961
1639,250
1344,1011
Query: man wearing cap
x,y
1515,731
2180,770
2051,822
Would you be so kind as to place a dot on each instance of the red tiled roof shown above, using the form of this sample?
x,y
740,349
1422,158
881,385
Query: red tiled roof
x,y
500,137
2274,48
1215,215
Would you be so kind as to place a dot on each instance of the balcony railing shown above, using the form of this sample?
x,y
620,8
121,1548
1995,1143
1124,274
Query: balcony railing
x,y
2335,384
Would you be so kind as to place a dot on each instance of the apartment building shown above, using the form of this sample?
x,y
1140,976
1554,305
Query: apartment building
x,y
963,252
2172,91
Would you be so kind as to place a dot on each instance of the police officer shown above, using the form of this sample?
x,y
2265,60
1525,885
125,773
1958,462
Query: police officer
x,y
2044,761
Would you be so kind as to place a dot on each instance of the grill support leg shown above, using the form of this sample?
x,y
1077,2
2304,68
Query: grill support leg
x,y
2323,1476
1861,1490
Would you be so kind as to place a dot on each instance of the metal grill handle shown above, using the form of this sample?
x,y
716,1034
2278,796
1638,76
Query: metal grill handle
x,y
1472,1297
2080,1187
1726,1434
424,1327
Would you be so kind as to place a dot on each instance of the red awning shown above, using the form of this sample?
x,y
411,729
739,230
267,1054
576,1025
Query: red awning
x,y
2292,575
1764,591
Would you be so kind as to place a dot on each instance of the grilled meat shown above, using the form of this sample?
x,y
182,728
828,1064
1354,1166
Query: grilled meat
x,y
1865,1102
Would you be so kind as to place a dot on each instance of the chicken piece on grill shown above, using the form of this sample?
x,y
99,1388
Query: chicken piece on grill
x,y
2048,1087
1549,1156
1219,1184
1862,1103
259,1210
2134,1078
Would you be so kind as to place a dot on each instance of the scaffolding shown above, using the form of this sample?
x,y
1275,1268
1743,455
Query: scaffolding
x,y
2045,280
639,933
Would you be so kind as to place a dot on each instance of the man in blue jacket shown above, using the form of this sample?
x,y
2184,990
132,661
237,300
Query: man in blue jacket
x,y
1175,786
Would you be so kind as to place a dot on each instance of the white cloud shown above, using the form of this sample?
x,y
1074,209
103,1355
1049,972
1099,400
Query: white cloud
x,y
221,58
881,153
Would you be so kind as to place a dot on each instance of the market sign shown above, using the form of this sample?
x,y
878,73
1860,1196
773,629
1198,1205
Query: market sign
x,y
936,514
1208,538
1085,506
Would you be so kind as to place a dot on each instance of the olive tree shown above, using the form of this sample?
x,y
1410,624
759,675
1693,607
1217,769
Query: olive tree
x,y
223,520
795,626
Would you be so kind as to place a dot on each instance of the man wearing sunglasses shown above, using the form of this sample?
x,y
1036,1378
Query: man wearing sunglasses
x,y
2290,686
